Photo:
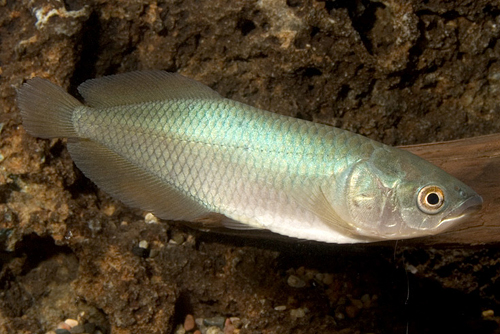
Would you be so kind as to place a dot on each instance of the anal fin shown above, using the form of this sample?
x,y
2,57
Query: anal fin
x,y
132,185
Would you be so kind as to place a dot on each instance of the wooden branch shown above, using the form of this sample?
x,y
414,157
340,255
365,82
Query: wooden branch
x,y
476,162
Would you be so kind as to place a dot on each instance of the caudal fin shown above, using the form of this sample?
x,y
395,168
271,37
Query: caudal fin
x,y
46,109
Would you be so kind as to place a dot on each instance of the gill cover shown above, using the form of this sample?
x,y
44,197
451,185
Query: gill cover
x,y
371,200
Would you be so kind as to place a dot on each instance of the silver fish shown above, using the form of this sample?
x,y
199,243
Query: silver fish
x,y
170,145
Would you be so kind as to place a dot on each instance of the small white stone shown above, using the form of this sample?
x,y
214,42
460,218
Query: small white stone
x,y
280,308
180,330
109,210
488,313
151,218
71,322
143,244
411,268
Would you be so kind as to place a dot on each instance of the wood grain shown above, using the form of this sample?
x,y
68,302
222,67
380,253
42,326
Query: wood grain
x,y
476,162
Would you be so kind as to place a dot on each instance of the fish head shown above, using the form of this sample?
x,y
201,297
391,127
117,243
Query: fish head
x,y
397,195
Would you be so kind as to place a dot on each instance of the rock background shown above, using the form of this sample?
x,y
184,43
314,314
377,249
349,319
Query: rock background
x,y
400,72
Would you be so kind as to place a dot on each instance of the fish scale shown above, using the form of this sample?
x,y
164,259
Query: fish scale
x,y
170,145
183,167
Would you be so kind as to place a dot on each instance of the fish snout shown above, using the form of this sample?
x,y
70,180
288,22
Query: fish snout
x,y
462,212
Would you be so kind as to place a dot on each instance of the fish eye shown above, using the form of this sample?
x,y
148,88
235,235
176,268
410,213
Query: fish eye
x,y
430,199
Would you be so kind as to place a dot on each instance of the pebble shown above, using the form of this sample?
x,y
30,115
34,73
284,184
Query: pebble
x,y
228,327
339,315
144,244
366,300
488,313
301,271
140,252
280,308
352,311
236,322
342,301
180,330
71,322
328,279
151,219
191,239
82,317
63,325
89,327
189,323
215,321
309,275
154,253
298,312
200,325
412,269
62,331
357,303
109,210
78,330
178,238
214,330
295,282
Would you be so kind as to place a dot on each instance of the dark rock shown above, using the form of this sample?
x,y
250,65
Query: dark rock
x,y
62,331
397,71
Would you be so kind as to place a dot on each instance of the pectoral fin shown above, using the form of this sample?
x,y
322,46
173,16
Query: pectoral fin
x,y
315,201
219,220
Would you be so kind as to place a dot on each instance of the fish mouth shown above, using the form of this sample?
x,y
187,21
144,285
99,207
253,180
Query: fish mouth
x,y
461,213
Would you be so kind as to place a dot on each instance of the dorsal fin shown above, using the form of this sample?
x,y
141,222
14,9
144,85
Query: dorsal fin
x,y
142,86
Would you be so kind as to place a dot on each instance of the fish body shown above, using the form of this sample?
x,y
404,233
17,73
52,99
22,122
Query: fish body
x,y
172,146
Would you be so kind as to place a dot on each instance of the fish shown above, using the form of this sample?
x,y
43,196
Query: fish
x,y
174,147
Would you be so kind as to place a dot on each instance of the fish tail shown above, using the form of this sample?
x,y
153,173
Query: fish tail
x,y
46,109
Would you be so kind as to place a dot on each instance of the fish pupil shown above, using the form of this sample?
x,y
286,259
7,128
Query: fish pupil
x,y
432,198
